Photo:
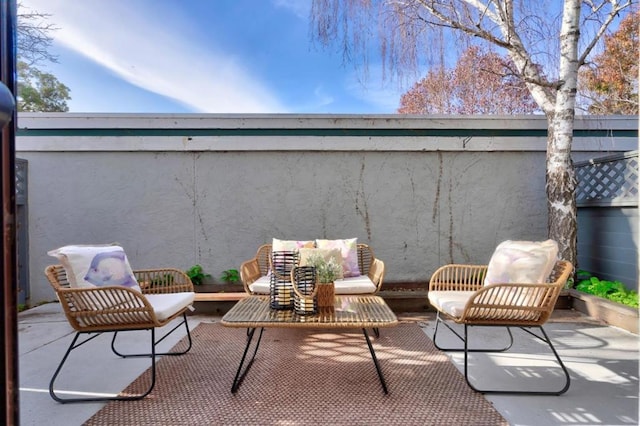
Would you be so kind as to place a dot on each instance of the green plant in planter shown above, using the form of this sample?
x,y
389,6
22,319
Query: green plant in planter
x,y
230,276
327,270
197,274
612,290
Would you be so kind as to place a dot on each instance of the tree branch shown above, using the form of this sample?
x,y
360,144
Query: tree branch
x,y
33,40
616,8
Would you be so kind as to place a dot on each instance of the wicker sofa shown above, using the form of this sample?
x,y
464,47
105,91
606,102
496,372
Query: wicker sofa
x,y
254,273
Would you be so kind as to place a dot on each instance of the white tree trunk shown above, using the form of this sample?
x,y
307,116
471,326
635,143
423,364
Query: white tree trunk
x,y
561,185
559,107
561,181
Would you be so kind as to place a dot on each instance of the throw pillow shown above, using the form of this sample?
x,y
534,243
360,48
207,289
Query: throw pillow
x,y
290,245
522,262
96,266
349,250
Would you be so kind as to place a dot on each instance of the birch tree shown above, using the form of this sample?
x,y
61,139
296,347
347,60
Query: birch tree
x,y
546,49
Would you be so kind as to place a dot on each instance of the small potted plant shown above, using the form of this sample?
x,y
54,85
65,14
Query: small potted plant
x,y
230,276
327,272
197,275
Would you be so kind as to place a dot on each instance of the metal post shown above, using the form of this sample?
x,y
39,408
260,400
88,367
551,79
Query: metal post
x,y
9,333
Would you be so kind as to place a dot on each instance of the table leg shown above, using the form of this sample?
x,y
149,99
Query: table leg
x,y
375,361
240,374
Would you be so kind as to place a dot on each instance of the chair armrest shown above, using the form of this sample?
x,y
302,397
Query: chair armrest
x,y
113,307
365,258
162,281
249,272
512,303
376,273
455,277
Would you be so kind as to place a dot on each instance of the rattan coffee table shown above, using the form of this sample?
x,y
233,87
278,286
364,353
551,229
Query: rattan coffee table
x,y
355,311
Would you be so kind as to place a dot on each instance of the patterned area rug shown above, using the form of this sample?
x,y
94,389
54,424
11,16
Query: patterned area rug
x,y
305,377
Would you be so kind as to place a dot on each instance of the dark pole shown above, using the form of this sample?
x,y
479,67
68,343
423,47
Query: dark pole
x,y
9,333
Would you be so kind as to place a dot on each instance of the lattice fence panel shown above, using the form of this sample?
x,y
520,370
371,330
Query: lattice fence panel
x,y
608,180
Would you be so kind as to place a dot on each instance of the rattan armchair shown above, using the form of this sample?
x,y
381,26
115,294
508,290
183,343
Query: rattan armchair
x,y
459,295
166,294
258,266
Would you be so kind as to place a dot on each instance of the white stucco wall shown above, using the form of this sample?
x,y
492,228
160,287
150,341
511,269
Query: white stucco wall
x,y
181,190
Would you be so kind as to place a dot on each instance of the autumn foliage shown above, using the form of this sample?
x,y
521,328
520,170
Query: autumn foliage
x,y
610,82
480,83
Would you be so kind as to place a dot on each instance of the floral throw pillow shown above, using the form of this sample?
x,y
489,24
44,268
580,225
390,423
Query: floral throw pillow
x,y
290,245
522,262
349,250
96,266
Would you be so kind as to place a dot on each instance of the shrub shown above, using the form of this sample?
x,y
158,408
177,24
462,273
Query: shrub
x,y
612,290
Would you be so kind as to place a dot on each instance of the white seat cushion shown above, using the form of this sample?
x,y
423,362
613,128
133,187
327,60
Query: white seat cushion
x,y
261,285
355,285
450,302
166,305
349,285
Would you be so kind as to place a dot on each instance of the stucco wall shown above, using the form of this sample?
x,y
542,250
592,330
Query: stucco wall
x,y
181,190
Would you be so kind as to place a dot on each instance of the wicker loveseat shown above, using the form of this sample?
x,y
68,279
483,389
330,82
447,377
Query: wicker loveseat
x,y
254,273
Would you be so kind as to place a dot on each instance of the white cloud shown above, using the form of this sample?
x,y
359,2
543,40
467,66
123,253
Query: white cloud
x,y
151,49
300,8
374,90
322,98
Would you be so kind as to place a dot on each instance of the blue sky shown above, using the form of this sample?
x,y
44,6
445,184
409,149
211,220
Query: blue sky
x,y
203,56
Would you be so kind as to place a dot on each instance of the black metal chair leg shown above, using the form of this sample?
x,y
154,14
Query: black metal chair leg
x,y
519,392
375,361
73,346
186,324
463,338
240,374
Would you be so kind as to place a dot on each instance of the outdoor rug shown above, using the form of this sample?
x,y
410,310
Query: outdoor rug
x,y
305,377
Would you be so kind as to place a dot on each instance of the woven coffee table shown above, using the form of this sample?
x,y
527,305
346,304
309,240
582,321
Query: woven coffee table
x,y
355,311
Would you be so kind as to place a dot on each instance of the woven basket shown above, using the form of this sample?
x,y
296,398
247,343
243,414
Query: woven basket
x,y
280,288
303,279
326,295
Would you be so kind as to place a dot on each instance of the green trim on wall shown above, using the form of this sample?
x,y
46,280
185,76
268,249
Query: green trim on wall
x,y
320,132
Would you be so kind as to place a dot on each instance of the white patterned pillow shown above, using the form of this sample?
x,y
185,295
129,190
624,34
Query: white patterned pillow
x,y
287,245
290,245
522,262
96,266
349,250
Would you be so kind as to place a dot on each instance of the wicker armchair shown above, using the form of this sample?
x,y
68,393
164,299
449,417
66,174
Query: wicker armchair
x,y
166,295
458,294
252,269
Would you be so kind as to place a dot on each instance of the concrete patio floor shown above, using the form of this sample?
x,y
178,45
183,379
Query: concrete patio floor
x,y
602,361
